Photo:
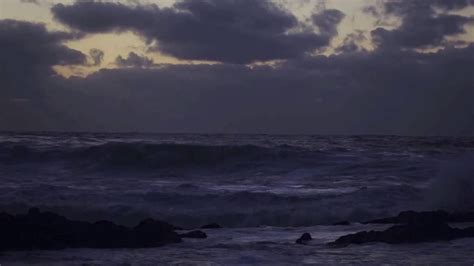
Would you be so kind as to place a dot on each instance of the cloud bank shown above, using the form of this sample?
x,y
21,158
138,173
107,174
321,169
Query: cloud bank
x,y
424,24
231,31
393,89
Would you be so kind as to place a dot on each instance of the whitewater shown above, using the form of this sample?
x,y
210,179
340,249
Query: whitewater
x,y
265,190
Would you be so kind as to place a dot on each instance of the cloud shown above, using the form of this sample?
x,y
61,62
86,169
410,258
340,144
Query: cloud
x,y
27,52
424,24
134,60
351,43
229,31
97,56
391,90
380,92
327,21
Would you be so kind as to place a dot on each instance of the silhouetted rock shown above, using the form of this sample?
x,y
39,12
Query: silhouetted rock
x,y
105,234
461,217
414,227
47,230
194,234
211,226
439,216
342,223
412,232
152,233
304,238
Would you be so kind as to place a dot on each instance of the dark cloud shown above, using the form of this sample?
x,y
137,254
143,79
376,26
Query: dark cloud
x,y
352,43
231,31
390,90
381,92
327,21
97,56
397,92
134,60
96,17
403,7
452,4
27,52
424,23
420,32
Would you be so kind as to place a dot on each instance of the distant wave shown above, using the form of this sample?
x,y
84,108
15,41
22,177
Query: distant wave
x,y
118,154
236,181
230,209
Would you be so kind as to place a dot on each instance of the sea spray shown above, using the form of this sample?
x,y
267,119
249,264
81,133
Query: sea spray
x,y
453,188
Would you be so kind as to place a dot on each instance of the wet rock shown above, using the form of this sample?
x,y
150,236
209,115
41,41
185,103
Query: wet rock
x,y
420,217
211,226
152,233
194,234
461,217
47,230
304,239
342,223
104,234
412,217
413,232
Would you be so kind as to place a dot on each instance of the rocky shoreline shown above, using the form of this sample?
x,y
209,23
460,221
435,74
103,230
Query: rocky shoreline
x,y
406,217
38,230
48,230
413,227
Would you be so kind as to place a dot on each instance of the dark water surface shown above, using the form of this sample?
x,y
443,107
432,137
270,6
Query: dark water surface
x,y
265,189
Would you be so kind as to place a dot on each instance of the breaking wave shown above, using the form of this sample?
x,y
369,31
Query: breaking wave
x,y
453,188
237,181
231,209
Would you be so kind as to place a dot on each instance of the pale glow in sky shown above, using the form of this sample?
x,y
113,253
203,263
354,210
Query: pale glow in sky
x,y
120,44
114,44
398,67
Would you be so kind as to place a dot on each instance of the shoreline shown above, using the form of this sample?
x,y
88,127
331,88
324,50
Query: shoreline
x,y
38,230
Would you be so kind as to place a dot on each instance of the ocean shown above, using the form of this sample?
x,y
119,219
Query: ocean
x,y
265,190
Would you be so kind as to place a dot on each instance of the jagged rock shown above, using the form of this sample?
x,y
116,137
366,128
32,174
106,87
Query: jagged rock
x,y
47,230
211,226
194,234
304,239
152,233
419,230
461,217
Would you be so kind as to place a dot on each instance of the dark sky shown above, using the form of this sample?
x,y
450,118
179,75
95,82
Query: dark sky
x,y
249,67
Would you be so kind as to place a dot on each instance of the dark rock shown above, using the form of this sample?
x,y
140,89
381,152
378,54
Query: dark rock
x,y
342,223
439,216
194,234
413,232
413,216
153,233
105,234
47,230
304,238
414,227
211,226
33,211
461,217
